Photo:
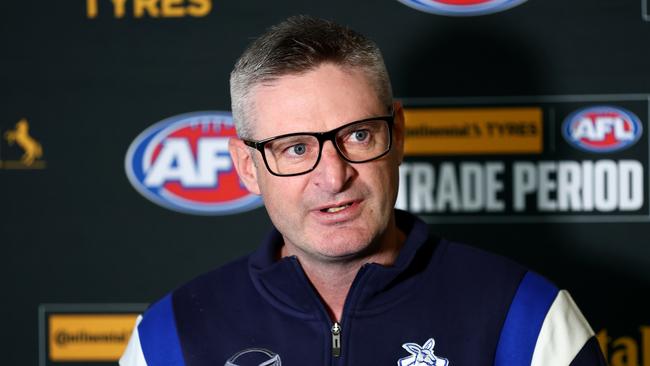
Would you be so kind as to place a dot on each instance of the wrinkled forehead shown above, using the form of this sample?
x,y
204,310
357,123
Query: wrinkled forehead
x,y
314,101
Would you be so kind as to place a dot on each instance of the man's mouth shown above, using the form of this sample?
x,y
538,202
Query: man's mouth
x,y
336,208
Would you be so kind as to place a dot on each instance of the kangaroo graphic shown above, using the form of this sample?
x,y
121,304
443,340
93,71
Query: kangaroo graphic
x,y
20,135
421,356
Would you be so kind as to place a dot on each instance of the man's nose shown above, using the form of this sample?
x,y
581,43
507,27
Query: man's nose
x,y
332,173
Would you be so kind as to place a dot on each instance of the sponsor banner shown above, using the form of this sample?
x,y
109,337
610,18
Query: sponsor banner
x,y
85,332
626,349
182,163
448,131
148,9
462,7
585,158
19,148
97,337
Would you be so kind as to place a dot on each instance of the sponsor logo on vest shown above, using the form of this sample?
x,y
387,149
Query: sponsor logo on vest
x,y
421,355
182,163
602,129
462,7
254,357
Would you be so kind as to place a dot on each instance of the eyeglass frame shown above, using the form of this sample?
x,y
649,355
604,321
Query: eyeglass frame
x,y
322,137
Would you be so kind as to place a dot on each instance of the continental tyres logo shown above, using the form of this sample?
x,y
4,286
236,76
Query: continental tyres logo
x,y
64,339
148,8
96,337
444,131
626,350
86,333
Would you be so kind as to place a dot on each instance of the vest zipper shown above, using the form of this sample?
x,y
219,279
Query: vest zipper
x,y
336,328
336,339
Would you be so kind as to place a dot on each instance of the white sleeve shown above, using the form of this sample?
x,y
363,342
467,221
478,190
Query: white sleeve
x,y
133,355
564,332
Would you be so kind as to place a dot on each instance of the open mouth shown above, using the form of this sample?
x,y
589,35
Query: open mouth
x,y
336,208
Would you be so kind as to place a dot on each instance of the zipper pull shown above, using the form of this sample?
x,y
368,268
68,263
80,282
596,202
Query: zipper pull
x,y
336,339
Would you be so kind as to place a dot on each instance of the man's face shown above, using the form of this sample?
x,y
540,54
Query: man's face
x,y
337,210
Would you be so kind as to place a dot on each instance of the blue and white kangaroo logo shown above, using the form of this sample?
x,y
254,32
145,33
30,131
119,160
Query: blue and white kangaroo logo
x,y
421,356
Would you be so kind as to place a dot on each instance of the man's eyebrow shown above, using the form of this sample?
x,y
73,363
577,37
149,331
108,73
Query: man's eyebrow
x,y
341,123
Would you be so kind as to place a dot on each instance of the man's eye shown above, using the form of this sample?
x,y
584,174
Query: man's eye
x,y
297,149
360,135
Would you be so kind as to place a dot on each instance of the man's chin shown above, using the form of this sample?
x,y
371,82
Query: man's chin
x,y
340,250
338,257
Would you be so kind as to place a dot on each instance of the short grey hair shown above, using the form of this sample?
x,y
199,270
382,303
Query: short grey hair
x,y
298,45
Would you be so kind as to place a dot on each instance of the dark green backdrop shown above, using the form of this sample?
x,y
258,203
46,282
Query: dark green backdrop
x,y
76,231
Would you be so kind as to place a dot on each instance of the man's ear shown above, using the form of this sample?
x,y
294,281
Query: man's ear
x,y
243,160
398,130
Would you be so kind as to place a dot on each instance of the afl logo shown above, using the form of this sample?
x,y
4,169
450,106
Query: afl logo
x,y
602,129
462,7
182,163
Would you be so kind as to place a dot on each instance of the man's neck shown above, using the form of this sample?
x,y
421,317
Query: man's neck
x,y
332,279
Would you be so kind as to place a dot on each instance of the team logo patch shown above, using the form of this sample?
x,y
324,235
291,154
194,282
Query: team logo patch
x,y
182,163
602,129
254,357
462,7
421,355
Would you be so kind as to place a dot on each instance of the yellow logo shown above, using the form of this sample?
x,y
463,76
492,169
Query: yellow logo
x,y
96,337
149,8
626,350
32,149
494,130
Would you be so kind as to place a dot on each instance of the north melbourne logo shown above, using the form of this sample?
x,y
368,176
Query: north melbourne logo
x,y
421,355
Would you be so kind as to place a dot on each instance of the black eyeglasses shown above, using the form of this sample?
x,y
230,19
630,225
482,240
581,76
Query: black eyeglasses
x,y
299,153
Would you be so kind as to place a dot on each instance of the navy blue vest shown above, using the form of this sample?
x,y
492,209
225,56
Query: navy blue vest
x,y
476,308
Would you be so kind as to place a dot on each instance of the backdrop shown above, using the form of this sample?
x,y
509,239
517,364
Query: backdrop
x,y
527,135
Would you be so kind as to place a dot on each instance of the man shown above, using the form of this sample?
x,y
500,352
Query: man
x,y
346,279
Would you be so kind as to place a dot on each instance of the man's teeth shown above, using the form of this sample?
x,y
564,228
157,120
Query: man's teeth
x,y
337,209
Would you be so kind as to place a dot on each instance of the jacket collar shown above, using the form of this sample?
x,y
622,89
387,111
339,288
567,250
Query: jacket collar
x,y
284,284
